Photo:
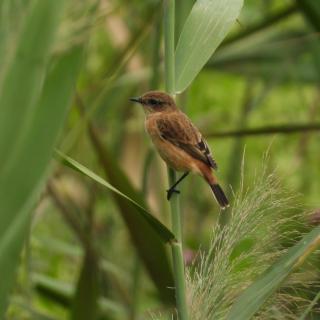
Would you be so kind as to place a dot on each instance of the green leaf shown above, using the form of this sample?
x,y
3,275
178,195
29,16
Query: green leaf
x,y
205,28
164,233
253,298
12,14
53,289
311,10
32,311
85,301
62,292
31,126
24,79
263,56
147,233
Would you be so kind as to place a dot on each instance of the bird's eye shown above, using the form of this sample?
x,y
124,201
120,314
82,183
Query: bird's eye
x,y
153,102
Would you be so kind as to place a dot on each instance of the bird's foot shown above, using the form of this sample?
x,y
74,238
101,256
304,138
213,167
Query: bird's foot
x,y
170,192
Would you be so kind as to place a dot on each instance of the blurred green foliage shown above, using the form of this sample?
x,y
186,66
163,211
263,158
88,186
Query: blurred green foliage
x,y
265,73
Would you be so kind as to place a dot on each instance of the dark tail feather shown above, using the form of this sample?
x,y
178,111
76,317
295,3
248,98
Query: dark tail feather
x,y
220,196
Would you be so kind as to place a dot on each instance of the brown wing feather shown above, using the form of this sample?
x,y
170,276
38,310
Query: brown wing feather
x,y
179,130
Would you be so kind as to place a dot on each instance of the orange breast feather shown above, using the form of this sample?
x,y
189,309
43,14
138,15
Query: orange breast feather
x,y
174,156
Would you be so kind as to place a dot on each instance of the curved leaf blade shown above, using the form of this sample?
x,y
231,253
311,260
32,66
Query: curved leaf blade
x,y
145,237
205,28
165,234
250,301
85,299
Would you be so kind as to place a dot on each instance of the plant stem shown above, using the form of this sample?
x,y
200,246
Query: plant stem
x,y
176,247
155,77
169,6
177,255
310,307
280,129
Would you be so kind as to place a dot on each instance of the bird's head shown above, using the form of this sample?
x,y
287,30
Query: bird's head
x,y
155,101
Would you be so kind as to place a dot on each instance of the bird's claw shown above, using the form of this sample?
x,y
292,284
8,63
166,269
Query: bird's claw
x,y
170,192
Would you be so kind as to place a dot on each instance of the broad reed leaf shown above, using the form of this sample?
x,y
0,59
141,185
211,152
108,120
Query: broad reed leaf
x,y
29,128
24,79
147,233
203,31
10,21
253,298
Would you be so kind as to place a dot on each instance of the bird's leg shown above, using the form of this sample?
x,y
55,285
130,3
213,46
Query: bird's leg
x,y
172,189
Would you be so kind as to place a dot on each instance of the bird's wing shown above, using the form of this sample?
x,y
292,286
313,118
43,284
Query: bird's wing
x,y
179,130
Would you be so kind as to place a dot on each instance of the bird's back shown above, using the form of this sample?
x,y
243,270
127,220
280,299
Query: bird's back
x,y
177,130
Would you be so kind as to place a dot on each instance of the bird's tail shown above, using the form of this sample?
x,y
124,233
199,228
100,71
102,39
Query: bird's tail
x,y
219,195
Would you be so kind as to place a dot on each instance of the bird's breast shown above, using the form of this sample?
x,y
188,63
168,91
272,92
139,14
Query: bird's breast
x,y
175,157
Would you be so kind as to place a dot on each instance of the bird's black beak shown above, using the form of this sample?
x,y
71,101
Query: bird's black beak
x,y
135,99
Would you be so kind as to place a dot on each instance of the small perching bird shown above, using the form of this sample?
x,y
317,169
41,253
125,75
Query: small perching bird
x,y
178,141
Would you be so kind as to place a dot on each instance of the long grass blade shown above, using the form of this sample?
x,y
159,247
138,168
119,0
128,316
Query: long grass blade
x,y
145,239
147,233
85,301
253,298
164,233
310,307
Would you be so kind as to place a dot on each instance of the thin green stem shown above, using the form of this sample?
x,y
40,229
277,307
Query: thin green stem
x,y
177,255
175,208
155,77
266,130
169,7
178,265
310,307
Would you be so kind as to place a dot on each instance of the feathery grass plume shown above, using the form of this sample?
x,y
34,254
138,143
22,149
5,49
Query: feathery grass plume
x,y
261,219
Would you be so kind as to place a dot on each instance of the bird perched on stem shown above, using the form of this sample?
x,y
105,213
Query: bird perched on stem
x,y
179,142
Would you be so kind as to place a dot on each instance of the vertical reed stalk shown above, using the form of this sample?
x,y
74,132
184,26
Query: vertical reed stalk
x,y
177,256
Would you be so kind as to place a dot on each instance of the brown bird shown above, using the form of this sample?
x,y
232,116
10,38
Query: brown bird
x,y
178,141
